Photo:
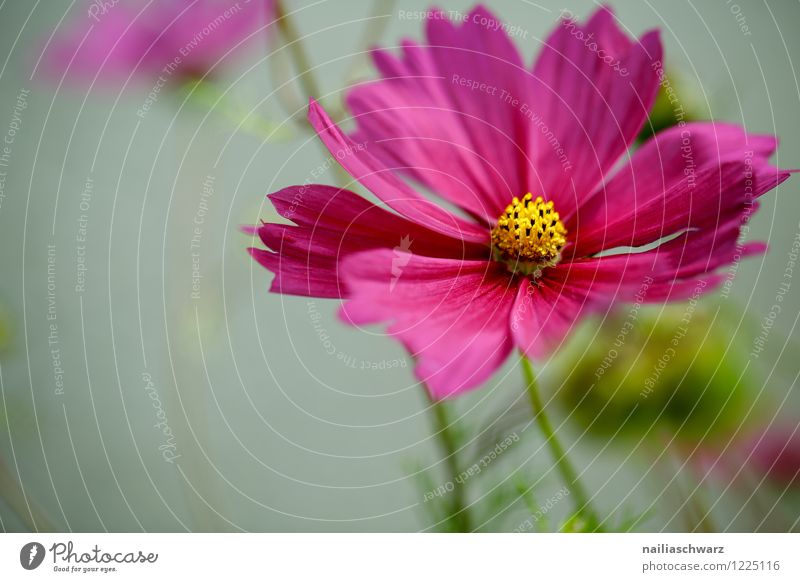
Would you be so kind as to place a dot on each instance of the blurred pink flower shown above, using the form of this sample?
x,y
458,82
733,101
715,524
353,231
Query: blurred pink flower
x,y
463,116
165,38
776,454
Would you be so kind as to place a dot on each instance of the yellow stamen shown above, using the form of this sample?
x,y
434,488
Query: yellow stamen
x,y
529,235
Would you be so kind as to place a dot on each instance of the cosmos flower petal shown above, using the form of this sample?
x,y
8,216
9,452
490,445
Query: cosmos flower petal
x,y
545,313
115,43
662,192
330,224
671,157
445,112
114,50
682,268
451,315
685,267
381,181
593,89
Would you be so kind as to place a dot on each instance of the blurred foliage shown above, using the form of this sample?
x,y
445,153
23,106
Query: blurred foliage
x,y
5,330
775,453
664,372
676,101
243,117
5,342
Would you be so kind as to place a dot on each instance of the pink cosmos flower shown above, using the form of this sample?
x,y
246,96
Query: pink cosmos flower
x,y
171,38
553,218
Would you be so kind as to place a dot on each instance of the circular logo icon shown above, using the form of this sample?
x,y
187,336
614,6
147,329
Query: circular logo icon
x,y
31,555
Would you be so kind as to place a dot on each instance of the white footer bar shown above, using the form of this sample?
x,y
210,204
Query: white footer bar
x,y
406,557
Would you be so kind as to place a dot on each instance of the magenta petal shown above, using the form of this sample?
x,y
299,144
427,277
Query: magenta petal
x,y
691,255
112,43
452,315
206,31
444,113
683,268
369,171
714,196
593,90
679,270
670,162
114,50
654,197
330,224
544,314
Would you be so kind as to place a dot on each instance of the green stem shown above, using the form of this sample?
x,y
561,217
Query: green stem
x,y
305,76
459,514
207,94
295,46
583,505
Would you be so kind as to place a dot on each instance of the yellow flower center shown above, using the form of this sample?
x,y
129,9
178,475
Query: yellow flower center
x,y
529,235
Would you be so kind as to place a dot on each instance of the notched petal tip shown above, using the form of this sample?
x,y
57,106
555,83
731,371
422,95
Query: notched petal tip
x,y
345,315
652,35
759,247
481,10
603,15
317,116
263,257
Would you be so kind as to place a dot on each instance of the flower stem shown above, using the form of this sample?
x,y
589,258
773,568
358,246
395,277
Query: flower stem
x,y
295,46
210,96
305,77
459,513
583,507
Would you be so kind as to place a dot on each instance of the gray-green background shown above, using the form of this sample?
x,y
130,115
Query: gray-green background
x,y
275,432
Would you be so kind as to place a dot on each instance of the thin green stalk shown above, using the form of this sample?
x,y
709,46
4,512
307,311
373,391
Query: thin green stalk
x,y
377,21
295,46
305,76
583,506
459,513
213,98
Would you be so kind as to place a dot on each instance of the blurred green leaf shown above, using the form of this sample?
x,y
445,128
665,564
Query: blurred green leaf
x,y
209,96
675,370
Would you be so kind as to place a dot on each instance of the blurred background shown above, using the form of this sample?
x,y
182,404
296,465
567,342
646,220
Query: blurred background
x,y
149,382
